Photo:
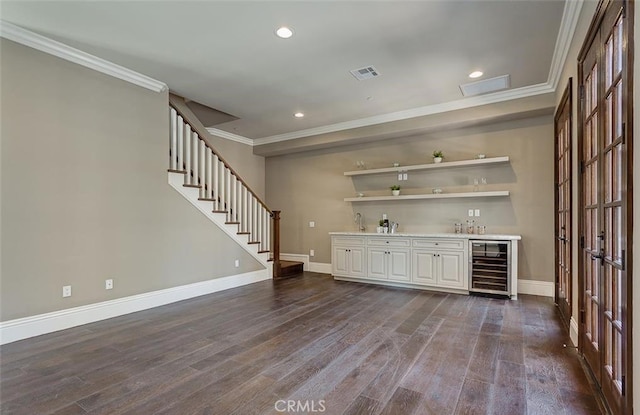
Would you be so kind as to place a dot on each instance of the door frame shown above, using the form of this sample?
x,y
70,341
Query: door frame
x,y
566,103
627,188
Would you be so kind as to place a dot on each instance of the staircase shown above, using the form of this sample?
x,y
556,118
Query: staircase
x,y
206,180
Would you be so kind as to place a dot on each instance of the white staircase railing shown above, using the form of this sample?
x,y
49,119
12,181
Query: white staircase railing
x,y
191,155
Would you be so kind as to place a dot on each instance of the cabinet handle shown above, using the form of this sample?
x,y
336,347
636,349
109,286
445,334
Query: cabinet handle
x,y
387,241
436,243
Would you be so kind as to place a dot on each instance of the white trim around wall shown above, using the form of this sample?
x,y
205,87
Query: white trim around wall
x,y
573,331
62,51
22,328
532,287
320,267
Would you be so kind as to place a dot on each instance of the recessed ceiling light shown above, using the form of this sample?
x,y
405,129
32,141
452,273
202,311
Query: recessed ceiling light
x,y
475,74
284,32
298,115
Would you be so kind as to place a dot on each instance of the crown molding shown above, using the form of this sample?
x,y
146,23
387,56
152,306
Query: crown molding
x,y
55,48
230,136
479,100
570,17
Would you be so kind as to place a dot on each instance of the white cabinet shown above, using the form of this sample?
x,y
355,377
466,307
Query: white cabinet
x,y
439,268
388,258
389,264
440,262
348,257
434,261
424,267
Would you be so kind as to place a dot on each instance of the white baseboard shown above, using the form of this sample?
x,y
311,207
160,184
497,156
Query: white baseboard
x,y
532,287
320,267
22,328
573,331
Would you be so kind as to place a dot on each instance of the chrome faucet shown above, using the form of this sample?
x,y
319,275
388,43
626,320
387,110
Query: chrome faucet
x,y
358,219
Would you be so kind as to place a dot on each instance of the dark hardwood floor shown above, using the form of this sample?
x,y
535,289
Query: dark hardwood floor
x,y
325,346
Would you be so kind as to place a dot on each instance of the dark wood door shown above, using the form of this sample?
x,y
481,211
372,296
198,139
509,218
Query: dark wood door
x,y
605,205
563,171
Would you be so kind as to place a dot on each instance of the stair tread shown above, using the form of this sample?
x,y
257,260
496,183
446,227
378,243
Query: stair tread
x,y
243,233
177,171
196,186
206,199
219,211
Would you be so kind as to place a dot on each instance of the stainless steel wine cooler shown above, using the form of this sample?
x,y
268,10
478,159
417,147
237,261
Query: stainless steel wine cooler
x,y
490,267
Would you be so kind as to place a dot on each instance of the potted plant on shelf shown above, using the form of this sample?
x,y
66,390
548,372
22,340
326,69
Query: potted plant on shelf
x,y
437,156
395,190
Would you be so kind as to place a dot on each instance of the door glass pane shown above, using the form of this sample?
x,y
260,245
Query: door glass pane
x,y
607,182
608,115
608,47
618,111
618,46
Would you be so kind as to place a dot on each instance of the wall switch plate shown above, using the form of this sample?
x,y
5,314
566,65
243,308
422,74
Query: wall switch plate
x,y
237,263
66,291
312,252
108,284
400,177
470,213
477,212
312,224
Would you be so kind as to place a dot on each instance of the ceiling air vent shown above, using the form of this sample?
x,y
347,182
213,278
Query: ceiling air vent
x,y
484,87
367,72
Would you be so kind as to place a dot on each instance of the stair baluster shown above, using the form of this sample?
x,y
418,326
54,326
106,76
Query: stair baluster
x,y
193,156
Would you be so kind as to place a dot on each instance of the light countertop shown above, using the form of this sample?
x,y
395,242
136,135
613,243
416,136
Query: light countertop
x,y
433,235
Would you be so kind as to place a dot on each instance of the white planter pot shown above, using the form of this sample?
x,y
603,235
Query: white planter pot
x,y
395,192
437,159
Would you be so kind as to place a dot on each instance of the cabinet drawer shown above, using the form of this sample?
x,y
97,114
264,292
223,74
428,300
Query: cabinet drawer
x,y
439,243
388,242
348,240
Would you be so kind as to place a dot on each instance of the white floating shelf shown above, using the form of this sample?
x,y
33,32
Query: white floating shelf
x,y
500,193
443,165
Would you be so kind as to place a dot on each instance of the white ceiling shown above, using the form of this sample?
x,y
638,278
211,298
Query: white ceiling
x,y
224,53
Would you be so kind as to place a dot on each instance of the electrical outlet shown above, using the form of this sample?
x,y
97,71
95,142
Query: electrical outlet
x,y
470,213
237,263
477,212
312,252
66,291
312,224
108,284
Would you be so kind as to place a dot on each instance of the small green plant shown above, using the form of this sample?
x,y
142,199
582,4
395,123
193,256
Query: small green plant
x,y
395,187
438,153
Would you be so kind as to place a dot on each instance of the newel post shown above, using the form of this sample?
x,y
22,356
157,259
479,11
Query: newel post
x,y
276,243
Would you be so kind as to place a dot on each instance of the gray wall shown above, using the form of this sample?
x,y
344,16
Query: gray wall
x,y
85,194
311,186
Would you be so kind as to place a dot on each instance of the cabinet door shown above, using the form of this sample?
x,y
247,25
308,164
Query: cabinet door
x,y
340,261
451,270
377,263
398,265
423,270
357,262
